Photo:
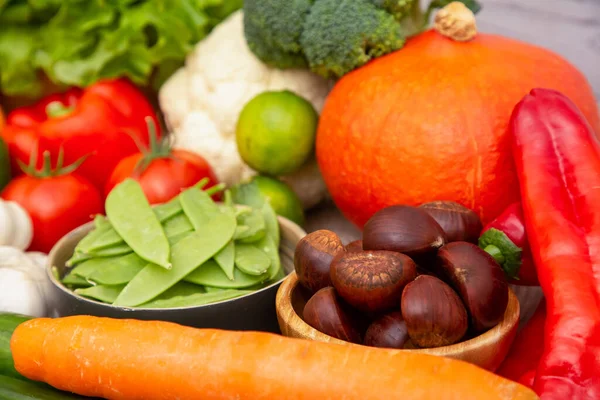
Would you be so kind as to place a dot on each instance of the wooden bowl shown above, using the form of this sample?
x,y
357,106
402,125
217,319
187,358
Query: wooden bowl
x,y
487,350
254,311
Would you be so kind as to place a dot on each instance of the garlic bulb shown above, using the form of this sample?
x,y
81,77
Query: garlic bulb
x,y
16,227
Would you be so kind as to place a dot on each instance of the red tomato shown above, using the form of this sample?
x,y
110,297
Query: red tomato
x,y
56,204
164,177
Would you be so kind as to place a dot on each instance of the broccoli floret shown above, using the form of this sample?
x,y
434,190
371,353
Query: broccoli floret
x,y
398,8
342,35
273,28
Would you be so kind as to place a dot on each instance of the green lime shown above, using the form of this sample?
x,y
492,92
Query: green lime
x,y
276,132
4,165
283,199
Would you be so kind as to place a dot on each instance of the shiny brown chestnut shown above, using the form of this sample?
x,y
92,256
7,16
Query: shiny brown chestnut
x,y
327,314
354,246
458,222
388,331
478,279
372,281
404,229
434,314
313,256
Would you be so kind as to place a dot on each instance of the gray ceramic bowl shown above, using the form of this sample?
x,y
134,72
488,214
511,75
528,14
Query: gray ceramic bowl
x,y
254,311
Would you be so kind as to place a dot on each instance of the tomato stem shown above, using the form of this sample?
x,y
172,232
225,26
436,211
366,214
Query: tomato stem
x,y
159,148
47,171
57,109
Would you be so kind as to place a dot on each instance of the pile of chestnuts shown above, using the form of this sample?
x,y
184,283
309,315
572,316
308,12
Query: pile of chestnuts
x,y
415,280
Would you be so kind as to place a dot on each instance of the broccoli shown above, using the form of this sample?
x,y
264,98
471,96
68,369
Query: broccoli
x,y
332,37
273,28
341,35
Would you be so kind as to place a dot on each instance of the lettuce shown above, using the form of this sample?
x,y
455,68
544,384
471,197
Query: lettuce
x,y
77,42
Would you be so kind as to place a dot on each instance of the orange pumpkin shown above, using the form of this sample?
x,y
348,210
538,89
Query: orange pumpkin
x,y
429,122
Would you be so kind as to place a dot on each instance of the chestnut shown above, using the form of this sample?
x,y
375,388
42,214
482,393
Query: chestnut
x,y
388,331
356,245
372,281
478,279
458,222
405,229
434,314
327,314
313,255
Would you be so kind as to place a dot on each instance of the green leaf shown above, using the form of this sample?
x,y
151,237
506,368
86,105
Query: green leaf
x,y
77,42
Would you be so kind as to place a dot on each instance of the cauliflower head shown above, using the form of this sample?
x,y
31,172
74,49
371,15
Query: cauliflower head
x,y
201,103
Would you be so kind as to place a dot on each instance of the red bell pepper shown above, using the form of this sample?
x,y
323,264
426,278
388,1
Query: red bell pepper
x,y
100,121
505,239
526,350
557,156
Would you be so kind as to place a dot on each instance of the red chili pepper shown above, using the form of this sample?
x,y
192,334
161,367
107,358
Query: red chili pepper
x,y
527,348
98,120
558,162
505,239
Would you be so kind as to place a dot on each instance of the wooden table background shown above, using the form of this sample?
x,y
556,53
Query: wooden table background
x,y
568,27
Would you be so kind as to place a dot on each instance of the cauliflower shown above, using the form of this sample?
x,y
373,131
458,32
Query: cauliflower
x,y
201,103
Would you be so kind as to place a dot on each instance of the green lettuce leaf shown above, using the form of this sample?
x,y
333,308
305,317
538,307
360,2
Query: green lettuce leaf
x,y
77,42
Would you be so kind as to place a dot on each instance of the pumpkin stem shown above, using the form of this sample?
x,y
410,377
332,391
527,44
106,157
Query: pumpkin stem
x,y
456,21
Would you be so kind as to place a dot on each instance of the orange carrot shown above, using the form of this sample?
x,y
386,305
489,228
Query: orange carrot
x,y
130,359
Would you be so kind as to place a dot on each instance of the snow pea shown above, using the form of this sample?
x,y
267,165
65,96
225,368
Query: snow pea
x,y
181,289
267,245
132,217
118,250
271,223
166,211
177,225
251,260
75,280
187,255
121,270
210,289
197,299
77,258
87,268
107,239
174,239
226,259
104,293
101,226
210,274
255,222
198,207
240,231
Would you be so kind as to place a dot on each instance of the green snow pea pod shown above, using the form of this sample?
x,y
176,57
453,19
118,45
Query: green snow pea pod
x,y
271,223
167,210
107,239
180,289
197,299
77,258
210,274
104,293
226,259
119,271
198,207
118,250
240,231
255,222
177,225
174,239
187,255
75,280
267,245
132,217
87,268
251,260
89,239
210,289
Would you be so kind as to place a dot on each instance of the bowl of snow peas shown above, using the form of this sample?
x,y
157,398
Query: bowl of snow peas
x,y
191,261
